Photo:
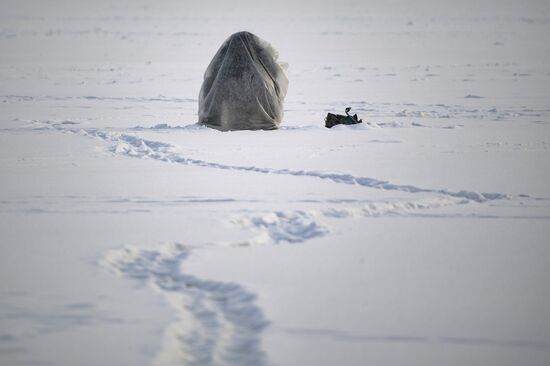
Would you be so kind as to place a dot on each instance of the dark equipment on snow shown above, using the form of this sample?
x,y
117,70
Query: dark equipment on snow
x,y
337,119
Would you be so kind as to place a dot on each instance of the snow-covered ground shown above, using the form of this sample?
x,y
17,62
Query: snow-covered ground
x,y
130,236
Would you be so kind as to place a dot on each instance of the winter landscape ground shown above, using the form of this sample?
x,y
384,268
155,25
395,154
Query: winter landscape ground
x,y
131,236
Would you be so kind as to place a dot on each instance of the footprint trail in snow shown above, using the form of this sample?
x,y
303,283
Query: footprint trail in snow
x,y
218,322
134,146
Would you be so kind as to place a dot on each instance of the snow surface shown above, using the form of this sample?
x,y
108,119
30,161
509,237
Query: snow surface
x,y
131,236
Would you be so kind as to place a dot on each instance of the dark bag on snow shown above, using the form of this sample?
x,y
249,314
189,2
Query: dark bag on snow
x,y
337,119
244,87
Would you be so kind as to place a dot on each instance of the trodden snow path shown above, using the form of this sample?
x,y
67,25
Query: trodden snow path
x,y
218,323
134,146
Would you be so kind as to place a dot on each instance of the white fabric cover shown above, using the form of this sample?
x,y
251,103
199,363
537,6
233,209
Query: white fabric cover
x,y
244,87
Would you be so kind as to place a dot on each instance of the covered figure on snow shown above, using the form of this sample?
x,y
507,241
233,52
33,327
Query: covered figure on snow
x,y
244,86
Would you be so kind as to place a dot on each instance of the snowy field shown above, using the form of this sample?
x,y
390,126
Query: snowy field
x,y
131,236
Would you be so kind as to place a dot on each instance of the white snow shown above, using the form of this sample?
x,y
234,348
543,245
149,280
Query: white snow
x,y
132,236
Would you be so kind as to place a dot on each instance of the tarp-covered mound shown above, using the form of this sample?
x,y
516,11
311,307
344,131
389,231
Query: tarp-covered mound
x,y
244,87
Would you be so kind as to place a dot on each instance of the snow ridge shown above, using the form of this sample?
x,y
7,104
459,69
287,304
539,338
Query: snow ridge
x,y
138,147
394,208
299,226
290,227
219,322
